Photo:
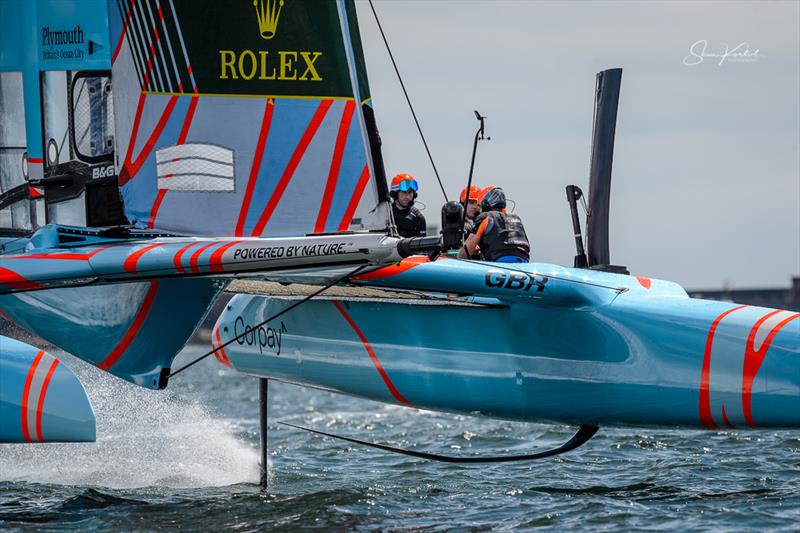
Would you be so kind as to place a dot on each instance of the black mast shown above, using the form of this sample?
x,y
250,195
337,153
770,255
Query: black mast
x,y
604,129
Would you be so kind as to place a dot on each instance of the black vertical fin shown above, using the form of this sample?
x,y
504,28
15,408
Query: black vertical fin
x,y
604,128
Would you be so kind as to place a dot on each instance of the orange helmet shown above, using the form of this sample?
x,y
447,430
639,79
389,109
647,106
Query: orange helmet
x,y
404,182
474,193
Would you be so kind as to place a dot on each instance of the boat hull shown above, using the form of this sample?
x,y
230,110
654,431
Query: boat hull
x,y
41,400
637,360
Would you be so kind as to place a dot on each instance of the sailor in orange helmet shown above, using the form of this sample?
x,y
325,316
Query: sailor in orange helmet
x,y
473,209
407,218
500,237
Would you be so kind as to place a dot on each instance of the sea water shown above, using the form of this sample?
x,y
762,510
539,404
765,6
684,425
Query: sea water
x,y
187,458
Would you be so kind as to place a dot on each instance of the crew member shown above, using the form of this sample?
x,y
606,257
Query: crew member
x,y
407,218
499,237
473,209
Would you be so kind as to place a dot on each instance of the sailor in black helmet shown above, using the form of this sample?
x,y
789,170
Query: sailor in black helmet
x,y
407,218
499,237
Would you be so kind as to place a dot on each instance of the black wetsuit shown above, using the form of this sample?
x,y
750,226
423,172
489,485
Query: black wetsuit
x,y
409,222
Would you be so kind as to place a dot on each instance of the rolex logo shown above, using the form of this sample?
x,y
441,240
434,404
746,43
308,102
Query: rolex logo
x,y
267,13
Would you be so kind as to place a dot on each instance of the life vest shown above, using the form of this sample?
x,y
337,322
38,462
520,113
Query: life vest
x,y
409,222
505,237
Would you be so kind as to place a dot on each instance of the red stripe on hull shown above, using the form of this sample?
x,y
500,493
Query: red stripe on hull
x,y
704,407
177,259
223,357
753,359
62,256
392,389
133,330
42,394
725,418
196,257
130,263
25,392
392,270
12,279
215,263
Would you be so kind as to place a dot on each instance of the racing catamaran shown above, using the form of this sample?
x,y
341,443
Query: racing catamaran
x,y
239,140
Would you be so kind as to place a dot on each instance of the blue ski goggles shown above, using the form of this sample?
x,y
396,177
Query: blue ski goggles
x,y
406,185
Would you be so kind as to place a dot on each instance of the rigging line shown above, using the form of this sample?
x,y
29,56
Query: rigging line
x,y
619,290
273,317
410,106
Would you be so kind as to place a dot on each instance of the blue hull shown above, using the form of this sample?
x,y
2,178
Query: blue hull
x,y
41,400
618,350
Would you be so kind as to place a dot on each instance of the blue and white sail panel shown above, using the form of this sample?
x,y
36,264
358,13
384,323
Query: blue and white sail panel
x,y
260,98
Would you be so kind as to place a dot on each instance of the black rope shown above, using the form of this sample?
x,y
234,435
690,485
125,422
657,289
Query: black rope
x,y
411,107
273,317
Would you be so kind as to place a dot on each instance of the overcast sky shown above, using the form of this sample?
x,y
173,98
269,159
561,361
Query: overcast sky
x,y
706,181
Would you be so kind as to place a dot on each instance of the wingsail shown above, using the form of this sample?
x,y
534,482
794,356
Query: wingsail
x,y
244,118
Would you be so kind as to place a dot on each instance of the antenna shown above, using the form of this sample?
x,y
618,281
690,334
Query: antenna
x,y
479,136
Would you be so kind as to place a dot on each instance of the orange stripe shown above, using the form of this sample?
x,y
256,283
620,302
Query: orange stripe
x,y
130,263
187,122
223,356
725,418
130,168
14,280
156,206
753,359
25,392
256,166
288,172
396,393
133,330
177,259
336,165
42,394
214,347
216,258
196,257
392,270
121,37
355,199
62,256
705,375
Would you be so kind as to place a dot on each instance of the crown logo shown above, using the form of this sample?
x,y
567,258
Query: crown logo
x,y
267,13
